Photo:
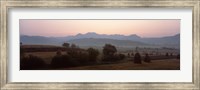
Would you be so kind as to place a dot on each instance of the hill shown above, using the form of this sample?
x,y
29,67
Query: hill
x,y
103,41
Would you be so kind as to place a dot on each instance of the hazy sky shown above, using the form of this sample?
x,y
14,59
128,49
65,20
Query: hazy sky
x,y
60,28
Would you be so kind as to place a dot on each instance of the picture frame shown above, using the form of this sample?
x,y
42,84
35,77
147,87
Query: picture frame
x,y
4,43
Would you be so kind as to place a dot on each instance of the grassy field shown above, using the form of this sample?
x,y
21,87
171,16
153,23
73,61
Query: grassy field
x,y
168,64
158,62
46,56
127,64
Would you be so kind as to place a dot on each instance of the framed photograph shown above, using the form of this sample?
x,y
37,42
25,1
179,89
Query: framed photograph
x,y
103,44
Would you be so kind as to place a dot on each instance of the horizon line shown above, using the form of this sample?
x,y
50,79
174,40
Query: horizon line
x,y
98,34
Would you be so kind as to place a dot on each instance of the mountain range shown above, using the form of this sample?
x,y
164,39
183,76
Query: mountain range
x,y
94,39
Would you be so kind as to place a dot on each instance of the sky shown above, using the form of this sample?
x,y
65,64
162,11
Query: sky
x,y
62,28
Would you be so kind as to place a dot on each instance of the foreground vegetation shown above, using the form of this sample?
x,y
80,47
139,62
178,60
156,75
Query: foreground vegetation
x,y
73,57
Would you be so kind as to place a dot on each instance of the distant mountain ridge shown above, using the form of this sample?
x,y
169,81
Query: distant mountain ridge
x,y
95,35
90,37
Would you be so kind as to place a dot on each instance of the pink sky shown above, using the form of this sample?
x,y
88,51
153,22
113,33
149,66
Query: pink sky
x,y
60,28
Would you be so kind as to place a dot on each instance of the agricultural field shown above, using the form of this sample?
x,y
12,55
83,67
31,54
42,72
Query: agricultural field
x,y
159,61
165,64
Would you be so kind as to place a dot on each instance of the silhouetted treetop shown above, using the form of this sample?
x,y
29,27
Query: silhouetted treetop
x,y
109,49
93,53
66,45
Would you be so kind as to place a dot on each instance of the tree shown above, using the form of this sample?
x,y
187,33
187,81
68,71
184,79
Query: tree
x,y
136,49
178,56
122,56
73,46
109,49
167,54
66,45
132,54
137,58
108,52
93,53
128,55
59,53
22,52
32,63
57,61
171,54
147,58
63,61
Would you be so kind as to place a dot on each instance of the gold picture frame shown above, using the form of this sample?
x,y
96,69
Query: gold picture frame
x,y
4,44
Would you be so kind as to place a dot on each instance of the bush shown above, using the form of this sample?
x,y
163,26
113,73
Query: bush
x,y
64,61
32,63
128,55
147,58
82,57
69,61
132,54
74,46
178,56
74,57
171,54
137,58
110,58
115,57
167,54
58,61
122,56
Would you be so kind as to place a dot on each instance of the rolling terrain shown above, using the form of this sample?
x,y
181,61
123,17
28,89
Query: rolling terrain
x,y
94,39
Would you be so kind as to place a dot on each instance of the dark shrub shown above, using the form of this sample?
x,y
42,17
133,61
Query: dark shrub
x,y
107,58
22,52
82,57
128,55
57,61
69,61
72,62
167,54
137,58
73,46
122,56
64,61
32,63
78,55
72,52
58,52
178,56
171,54
147,58
115,57
132,54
